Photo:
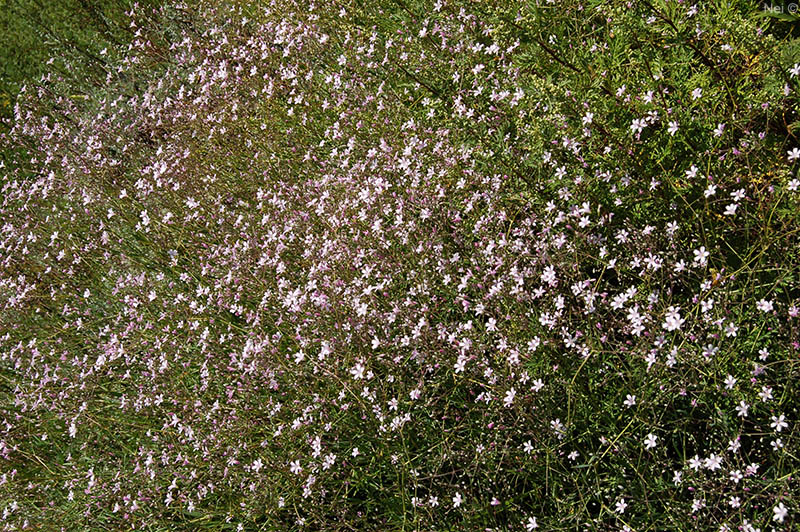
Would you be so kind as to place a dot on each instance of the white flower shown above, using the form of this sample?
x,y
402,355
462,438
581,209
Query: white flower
x,y
358,371
573,455
713,462
780,512
558,428
549,275
766,392
701,256
650,441
779,423
742,409
630,400
528,447
508,400
621,505
673,320
793,154
295,467
697,93
672,227
637,125
764,305
532,524
673,128
710,350
457,500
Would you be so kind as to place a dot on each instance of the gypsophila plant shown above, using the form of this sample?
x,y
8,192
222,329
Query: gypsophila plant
x,y
406,265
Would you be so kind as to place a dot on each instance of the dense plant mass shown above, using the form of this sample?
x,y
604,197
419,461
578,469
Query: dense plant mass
x,y
31,31
403,265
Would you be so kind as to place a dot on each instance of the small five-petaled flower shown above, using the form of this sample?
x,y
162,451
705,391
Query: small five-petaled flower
x,y
620,507
457,500
780,512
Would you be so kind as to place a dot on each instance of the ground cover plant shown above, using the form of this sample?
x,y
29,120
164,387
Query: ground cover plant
x,y
406,265
32,31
